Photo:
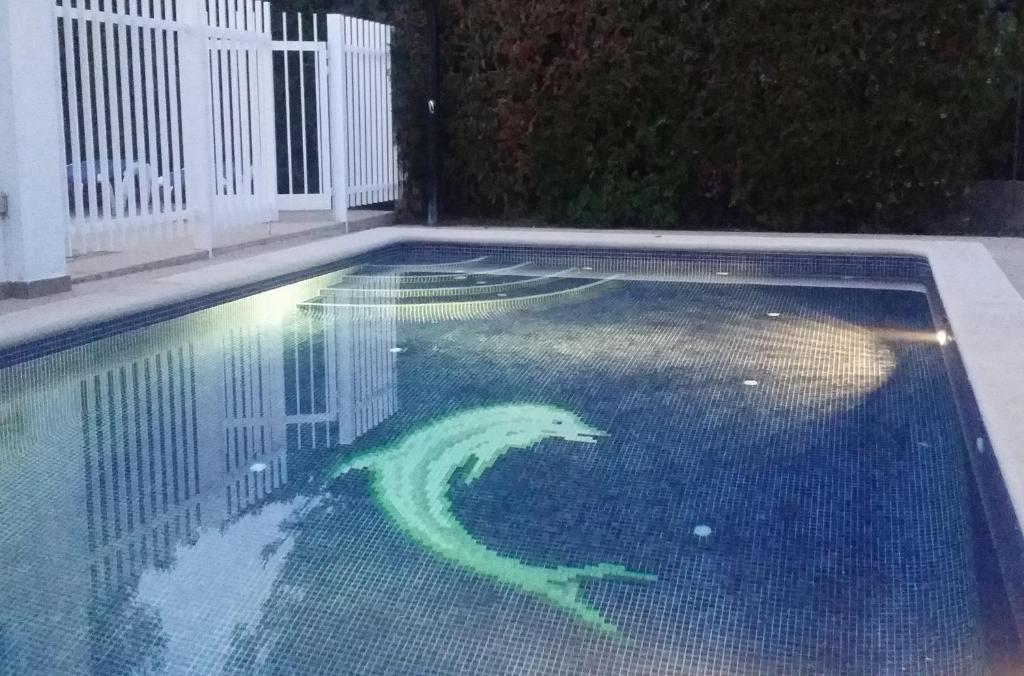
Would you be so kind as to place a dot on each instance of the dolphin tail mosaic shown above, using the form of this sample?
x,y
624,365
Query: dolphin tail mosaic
x,y
562,589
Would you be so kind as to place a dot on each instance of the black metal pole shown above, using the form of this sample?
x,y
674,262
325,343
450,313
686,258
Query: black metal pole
x,y
1016,130
432,113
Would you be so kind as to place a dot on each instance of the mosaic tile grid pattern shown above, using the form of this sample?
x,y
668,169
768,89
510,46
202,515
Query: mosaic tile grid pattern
x,y
785,463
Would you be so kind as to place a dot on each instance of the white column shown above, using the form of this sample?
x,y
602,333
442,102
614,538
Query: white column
x,y
197,120
336,108
32,164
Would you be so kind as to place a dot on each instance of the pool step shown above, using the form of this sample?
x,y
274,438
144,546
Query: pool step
x,y
408,276
469,286
453,303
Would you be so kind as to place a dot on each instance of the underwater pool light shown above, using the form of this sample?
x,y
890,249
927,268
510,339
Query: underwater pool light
x,y
942,337
702,531
750,383
258,467
396,350
774,314
722,273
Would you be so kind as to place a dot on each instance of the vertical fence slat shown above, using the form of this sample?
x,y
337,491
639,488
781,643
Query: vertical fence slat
x,y
302,107
358,108
323,122
224,121
233,94
268,138
364,108
110,68
235,52
139,133
368,109
381,112
102,158
253,185
244,89
73,111
152,155
319,91
161,116
392,174
216,97
173,184
131,209
350,84
371,113
350,113
287,105
250,81
228,119
382,76
378,62
88,116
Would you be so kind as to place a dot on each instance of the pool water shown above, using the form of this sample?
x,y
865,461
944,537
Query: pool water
x,y
443,462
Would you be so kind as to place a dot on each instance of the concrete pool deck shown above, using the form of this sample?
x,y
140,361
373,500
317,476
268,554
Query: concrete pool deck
x,y
980,282
292,227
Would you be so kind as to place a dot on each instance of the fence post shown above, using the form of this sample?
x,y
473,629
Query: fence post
x,y
197,120
268,130
336,106
33,223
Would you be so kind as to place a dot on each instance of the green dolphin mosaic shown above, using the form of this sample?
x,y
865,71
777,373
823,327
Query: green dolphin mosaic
x,y
411,481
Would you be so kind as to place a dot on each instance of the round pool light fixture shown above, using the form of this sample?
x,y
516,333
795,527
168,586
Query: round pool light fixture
x,y
774,314
702,531
942,337
258,467
750,383
397,350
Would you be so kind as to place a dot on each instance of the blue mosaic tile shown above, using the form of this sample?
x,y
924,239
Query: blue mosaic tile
x,y
459,459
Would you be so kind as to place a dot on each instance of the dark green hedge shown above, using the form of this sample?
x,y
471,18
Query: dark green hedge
x,y
780,113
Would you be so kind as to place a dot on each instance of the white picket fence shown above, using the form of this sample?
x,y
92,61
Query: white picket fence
x,y
184,118
122,123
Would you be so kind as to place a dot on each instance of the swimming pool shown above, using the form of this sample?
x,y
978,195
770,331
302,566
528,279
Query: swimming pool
x,y
452,458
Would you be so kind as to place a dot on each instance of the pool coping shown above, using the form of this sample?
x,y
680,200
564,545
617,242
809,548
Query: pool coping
x,y
984,311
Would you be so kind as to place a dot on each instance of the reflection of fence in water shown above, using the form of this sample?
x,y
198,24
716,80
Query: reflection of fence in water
x,y
179,427
342,370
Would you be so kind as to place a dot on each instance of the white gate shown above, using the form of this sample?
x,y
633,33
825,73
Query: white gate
x,y
349,98
241,82
300,80
369,117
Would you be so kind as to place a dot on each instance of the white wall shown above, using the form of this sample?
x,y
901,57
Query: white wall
x,y
31,144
